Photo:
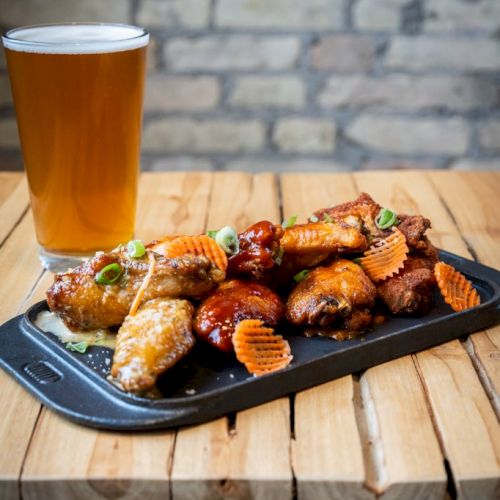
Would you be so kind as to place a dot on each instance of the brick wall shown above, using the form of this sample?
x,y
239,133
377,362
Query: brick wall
x,y
303,84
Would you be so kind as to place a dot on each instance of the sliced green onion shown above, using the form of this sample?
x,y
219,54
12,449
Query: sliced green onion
x,y
278,258
136,249
327,218
212,233
313,218
357,260
227,238
385,219
80,347
300,276
109,274
290,222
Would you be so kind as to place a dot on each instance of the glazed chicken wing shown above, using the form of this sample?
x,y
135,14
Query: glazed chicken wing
x,y
84,304
339,294
152,341
217,316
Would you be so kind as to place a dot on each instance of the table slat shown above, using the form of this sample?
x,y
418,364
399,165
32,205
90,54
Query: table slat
x,y
468,411
109,464
211,460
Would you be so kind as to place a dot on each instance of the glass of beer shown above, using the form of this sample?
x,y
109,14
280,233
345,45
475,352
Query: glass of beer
x,y
78,93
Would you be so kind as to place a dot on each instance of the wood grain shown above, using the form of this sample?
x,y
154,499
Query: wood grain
x,y
132,465
8,182
327,452
252,460
471,424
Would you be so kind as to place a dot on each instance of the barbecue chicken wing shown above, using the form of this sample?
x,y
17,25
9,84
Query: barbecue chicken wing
x,y
152,341
84,304
338,295
235,300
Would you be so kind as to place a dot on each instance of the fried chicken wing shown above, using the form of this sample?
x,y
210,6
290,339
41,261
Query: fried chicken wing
x,y
152,341
84,304
259,245
339,294
322,237
235,300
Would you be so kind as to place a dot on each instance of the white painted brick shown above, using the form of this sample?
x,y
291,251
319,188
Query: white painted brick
x,y
268,91
186,135
406,92
9,138
306,135
279,14
174,13
421,53
378,15
178,93
282,165
462,15
410,136
489,136
23,12
238,52
183,163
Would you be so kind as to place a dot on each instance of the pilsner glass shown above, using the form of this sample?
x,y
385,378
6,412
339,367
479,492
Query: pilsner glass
x,y
78,92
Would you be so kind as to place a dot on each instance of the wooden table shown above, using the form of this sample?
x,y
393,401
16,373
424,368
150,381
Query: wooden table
x,y
422,426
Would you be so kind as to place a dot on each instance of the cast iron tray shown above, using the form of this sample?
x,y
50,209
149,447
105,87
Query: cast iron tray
x,y
208,384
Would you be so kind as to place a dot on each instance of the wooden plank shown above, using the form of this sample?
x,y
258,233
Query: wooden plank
x,y
252,460
466,423
327,453
110,464
13,208
20,268
8,182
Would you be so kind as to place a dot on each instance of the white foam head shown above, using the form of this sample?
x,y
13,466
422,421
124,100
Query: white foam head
x,y
76,38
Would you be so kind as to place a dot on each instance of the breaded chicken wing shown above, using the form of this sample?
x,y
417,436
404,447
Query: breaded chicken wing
x,y
152,341
339,294
235,300
84,304
322,237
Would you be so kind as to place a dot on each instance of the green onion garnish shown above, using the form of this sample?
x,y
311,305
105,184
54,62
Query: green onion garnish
x,y
385,219
327,218
109,274
212,234
290,222
313,218
357,260
136,249
278,258
300,276
80,347
228,240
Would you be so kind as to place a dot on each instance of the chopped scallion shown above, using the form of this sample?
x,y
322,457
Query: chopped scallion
x,y
278,258
385,219
290,222
313,218
227,239
327,218
212,233
80,347
136,249
300,276
109,274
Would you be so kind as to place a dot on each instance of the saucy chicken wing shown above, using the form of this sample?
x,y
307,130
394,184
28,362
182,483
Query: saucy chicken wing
x,y
152,341
235,300
339,294
84,304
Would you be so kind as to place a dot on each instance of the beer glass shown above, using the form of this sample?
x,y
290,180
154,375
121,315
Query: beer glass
x,y
78,92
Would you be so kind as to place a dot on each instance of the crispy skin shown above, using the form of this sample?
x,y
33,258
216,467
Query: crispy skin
x,y
410,291
360,213
339,293
414,228
258,247
235,300
320,237
151,342
83,304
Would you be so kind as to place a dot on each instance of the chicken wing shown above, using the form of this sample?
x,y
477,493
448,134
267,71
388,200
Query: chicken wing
x,y
339,294
152,341
235,300
84,304
321,237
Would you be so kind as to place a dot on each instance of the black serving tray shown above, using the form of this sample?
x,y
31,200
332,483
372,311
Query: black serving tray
x,y
208,384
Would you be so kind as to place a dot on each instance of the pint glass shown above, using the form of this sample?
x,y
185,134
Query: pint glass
x,y
78,92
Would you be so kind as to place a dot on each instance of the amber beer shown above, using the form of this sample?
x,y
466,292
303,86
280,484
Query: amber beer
x,y
78,92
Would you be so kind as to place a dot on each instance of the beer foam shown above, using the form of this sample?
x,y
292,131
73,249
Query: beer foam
x,y
76,38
